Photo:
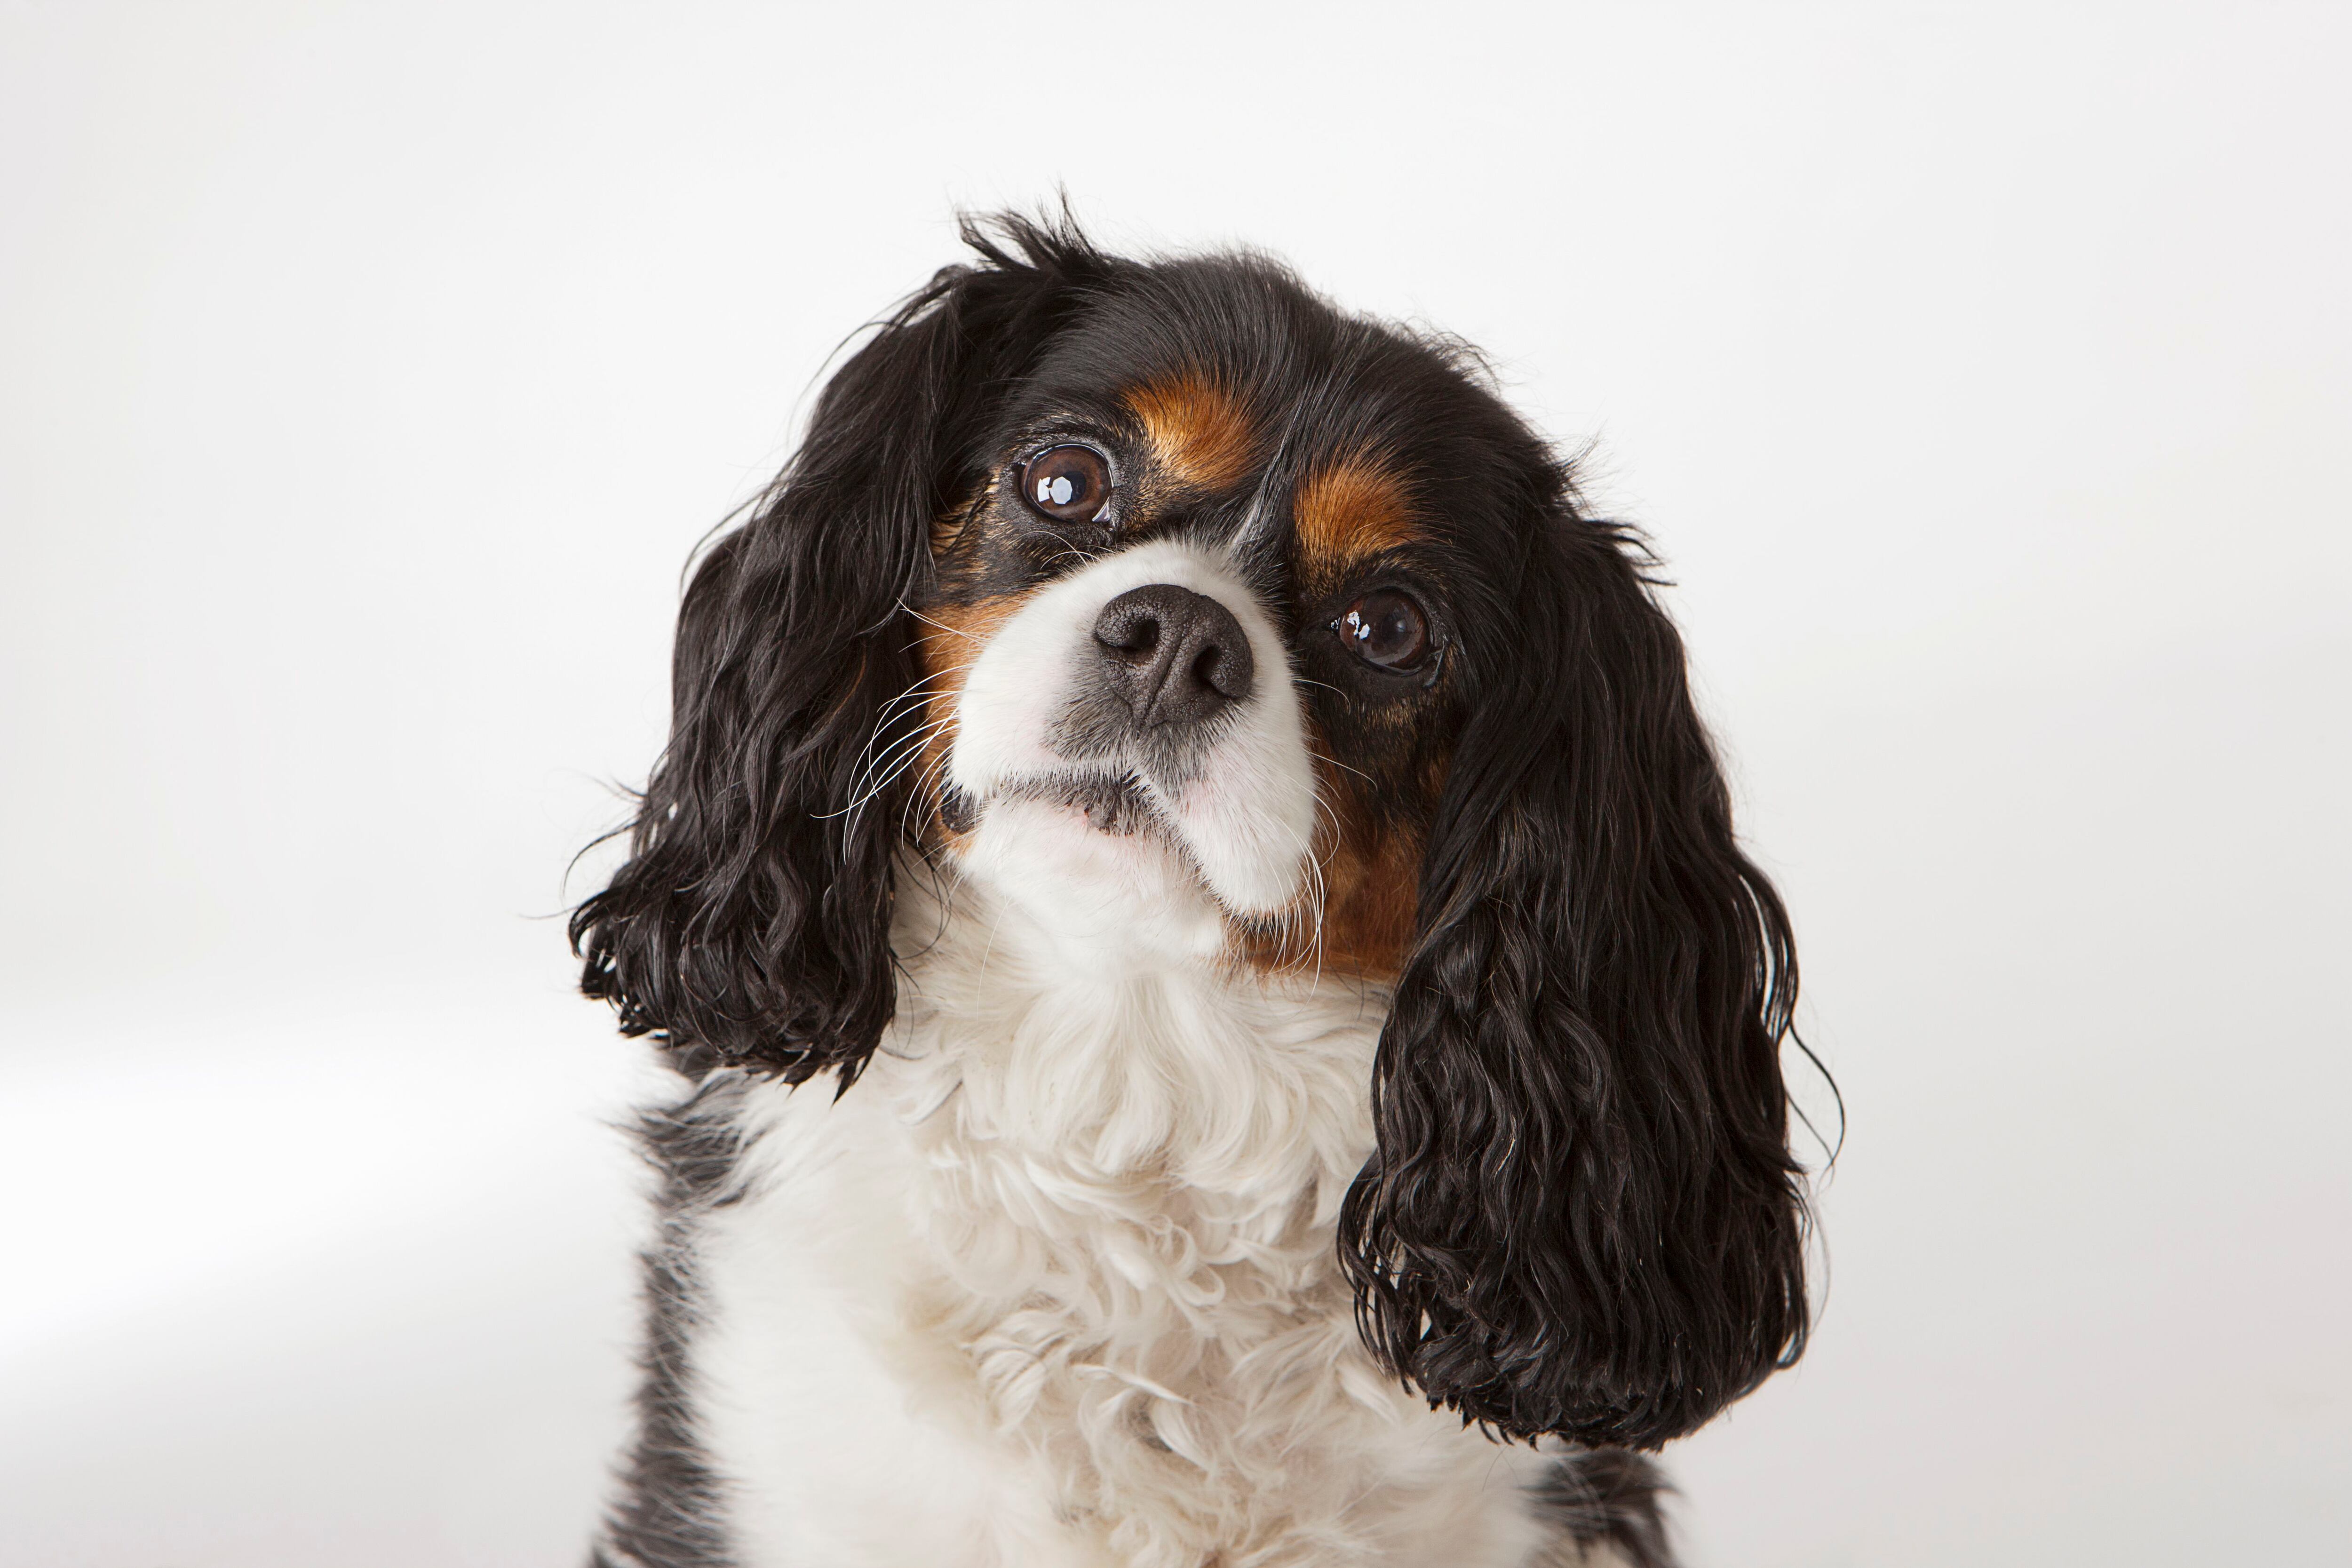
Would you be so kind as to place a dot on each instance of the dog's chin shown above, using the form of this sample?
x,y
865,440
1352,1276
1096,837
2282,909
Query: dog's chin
x,y
1093,857
1113,804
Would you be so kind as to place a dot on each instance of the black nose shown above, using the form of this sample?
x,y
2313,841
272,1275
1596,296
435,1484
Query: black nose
x,y
1174,656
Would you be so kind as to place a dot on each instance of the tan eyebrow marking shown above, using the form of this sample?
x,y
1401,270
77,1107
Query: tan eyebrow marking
x,y
1351,508
1198,430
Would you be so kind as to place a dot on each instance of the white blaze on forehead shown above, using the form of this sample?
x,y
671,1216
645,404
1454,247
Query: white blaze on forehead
x,y
1247,815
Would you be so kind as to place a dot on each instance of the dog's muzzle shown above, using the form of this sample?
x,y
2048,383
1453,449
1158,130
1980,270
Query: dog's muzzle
x,y
1149,692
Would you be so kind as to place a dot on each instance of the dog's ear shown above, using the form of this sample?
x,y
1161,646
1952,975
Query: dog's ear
x,y
1582,1216
753,919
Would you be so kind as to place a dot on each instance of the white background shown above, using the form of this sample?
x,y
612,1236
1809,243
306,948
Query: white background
x,y
1983,371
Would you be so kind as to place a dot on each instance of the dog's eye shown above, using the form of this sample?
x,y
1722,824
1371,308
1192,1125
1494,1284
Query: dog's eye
x,y
1386,629
1068,484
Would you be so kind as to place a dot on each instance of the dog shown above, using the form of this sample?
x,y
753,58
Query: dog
x,y
1221,1018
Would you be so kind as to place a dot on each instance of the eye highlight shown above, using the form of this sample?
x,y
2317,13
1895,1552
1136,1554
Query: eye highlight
x,y
1386,629
1066,484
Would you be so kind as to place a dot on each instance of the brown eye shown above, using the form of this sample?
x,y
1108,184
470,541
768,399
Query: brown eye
x,y
1386,629
1068,484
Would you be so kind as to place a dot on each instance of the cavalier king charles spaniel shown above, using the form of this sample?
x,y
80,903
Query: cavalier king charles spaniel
x,y
1221,1019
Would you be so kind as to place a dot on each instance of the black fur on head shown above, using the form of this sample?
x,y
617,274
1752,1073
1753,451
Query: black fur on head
x,y
1582,1216
753,915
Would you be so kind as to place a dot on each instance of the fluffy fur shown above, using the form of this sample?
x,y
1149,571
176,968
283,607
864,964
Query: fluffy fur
x,y
1222,1027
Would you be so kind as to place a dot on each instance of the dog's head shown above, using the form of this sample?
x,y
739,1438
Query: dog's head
x,y
1190,615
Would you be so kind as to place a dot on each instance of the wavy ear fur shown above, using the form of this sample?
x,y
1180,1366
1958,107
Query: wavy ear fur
x,y
753,916
1582,1216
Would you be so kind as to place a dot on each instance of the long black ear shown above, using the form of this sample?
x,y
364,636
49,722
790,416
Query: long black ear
x,y
753,916
1582,1216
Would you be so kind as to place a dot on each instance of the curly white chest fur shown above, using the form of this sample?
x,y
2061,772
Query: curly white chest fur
x,y
1054,1284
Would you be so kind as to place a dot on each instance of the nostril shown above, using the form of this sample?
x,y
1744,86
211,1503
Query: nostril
x,y
1134,637
1226,671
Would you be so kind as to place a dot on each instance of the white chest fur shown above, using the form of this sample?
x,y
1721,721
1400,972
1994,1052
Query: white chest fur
x,y
1054,1284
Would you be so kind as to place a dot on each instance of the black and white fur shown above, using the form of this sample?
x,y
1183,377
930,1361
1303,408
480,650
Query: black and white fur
x,y
1010,1211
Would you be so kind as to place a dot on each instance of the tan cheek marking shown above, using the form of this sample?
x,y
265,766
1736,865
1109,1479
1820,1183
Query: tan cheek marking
x,y
1374,877
1199,432
1350,508
1372,888
951,639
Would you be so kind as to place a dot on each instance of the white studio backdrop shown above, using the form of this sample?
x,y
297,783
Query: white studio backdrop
x,y
1982,372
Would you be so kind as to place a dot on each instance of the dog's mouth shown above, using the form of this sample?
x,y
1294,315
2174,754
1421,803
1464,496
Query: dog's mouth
x,y
1114,803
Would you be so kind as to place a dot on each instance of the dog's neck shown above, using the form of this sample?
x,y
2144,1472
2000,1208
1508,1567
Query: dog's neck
x,y
1116,1056
1131,1170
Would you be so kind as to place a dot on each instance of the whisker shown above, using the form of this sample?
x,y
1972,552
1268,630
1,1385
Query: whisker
x,y
1083,556
1344,767
900,740
912,744
940,625
917,689
915,695
926,790
896,758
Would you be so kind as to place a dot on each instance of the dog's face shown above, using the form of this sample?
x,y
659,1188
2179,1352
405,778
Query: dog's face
x,y
1192,656
1194,616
